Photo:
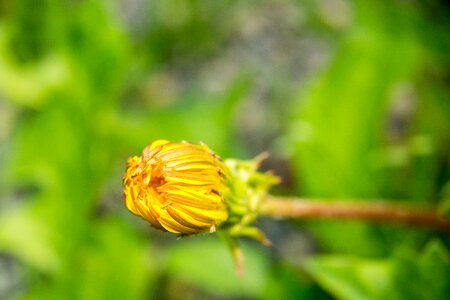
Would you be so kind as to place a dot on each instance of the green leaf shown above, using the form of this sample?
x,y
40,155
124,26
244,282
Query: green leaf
x,y
287,282
349,277
115,264
205,263
404,276
444,205
429,273
29,237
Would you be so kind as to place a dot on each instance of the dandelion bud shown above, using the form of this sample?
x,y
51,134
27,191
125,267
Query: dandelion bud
x,y
177,187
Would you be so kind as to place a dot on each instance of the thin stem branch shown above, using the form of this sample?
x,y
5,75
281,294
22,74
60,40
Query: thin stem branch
x,y
375,211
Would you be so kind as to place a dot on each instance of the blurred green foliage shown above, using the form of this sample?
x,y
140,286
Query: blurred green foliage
x,y
351,98
355,278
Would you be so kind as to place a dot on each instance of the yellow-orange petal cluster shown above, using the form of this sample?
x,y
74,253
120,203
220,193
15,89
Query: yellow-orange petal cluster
x,y
176,187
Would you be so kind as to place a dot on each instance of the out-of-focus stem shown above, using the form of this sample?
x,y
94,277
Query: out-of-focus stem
x,y
376,211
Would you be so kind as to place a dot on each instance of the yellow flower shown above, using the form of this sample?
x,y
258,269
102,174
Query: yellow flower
x,y
177,187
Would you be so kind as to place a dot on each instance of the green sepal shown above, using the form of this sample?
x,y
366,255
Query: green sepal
x,y
247,189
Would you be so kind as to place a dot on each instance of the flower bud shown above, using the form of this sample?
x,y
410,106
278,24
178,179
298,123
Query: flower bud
x,y
177,187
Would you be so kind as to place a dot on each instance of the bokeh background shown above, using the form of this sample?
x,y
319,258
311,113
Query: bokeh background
x,y
351,98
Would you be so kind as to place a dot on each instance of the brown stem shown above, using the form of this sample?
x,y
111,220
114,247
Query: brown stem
x,y
368,211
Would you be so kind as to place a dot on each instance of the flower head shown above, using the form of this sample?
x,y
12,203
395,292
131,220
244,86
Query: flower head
x,y
177,187
186,189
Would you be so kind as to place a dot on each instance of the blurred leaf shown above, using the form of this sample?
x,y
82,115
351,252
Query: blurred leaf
x,y
196,117
29,237
425,276
33,30
206,264
28,85
350,277
341,126
444,205
287,282
98,51
404,276
115,263
340,118
112,263
348,237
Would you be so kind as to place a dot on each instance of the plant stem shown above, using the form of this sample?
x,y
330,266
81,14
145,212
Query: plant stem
x,y
376,211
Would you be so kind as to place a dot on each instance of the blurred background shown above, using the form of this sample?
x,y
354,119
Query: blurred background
x,y
351,98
